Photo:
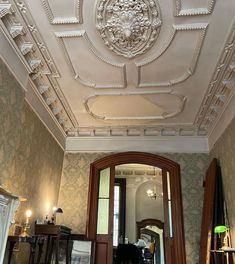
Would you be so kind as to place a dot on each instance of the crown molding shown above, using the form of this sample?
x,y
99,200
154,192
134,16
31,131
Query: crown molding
x,y
138,143
90,45
14,63
193,64
16,20
32,97
44,114
224,120
178,11
221,87
77,18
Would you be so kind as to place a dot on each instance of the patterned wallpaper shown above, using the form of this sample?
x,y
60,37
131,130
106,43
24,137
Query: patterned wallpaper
x,y
224,151
30,159
74,193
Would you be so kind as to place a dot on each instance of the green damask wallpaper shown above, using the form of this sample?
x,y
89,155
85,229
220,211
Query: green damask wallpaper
x,y
74,193
30,159
224,151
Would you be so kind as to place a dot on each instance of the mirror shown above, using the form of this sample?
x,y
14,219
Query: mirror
x,y
138,196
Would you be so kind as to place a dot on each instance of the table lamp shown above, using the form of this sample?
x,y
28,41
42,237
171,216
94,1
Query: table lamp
x,y
28,214
56,211
222,232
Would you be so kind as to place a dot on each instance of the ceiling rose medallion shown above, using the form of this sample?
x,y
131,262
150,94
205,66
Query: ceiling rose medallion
x,y
128,27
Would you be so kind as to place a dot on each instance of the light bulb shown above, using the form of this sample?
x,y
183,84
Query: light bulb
x,y
28,213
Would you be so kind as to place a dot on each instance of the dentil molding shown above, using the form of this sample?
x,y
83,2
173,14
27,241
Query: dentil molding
x,y
128,27
22,33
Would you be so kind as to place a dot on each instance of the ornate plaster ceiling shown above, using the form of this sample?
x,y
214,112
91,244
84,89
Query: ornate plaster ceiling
x,y
109,67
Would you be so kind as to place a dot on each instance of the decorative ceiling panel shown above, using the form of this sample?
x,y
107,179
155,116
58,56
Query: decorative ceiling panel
x,y
77,47
178,60
134,107
63,11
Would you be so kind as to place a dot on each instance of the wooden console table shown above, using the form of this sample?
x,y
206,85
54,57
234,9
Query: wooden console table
x,y
34,241
54,233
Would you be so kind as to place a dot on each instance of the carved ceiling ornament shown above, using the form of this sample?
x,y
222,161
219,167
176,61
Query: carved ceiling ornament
x,y
128,27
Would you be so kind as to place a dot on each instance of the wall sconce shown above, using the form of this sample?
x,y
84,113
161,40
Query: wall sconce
x,y
28,214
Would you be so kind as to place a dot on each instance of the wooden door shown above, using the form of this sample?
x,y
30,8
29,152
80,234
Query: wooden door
x,y
173,214
207,214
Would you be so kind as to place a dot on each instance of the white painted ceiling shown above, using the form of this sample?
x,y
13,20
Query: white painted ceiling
x,y
177,80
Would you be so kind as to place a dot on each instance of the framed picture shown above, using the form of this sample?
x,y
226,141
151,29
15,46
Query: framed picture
x,y
17,229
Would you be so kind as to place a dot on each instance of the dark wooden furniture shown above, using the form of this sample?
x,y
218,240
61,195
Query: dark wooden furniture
x,y
54,234
223,256
34,241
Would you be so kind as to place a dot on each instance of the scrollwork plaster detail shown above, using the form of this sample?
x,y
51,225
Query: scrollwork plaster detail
x,y
128,27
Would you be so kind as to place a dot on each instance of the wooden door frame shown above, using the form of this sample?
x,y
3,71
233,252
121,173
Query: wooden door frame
x,y
176,243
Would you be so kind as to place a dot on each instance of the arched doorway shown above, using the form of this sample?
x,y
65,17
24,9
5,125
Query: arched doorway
x,y
103,170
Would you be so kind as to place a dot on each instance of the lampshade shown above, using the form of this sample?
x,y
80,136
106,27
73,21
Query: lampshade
x,y
59,210
220,229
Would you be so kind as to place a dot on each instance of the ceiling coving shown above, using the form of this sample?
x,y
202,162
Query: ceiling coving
x,y
128,27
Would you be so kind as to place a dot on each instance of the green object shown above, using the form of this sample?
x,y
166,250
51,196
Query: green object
x,y
220,229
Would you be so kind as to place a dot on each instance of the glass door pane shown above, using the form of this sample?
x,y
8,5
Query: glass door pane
x,y
103,202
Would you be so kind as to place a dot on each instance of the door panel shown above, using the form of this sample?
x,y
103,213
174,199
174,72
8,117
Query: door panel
x,y
104,226
207,215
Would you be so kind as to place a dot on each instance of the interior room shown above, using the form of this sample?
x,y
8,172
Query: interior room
x,y
111,112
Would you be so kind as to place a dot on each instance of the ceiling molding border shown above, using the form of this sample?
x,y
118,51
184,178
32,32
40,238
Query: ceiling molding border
x,y
16,21
178,11
137,143
190,71
221,87
129,131
91,47
77,19
162,117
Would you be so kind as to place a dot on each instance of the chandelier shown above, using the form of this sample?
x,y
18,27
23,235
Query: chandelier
x,y
153,194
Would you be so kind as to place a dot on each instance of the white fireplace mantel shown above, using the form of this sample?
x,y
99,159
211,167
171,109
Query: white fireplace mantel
x,y
8,206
